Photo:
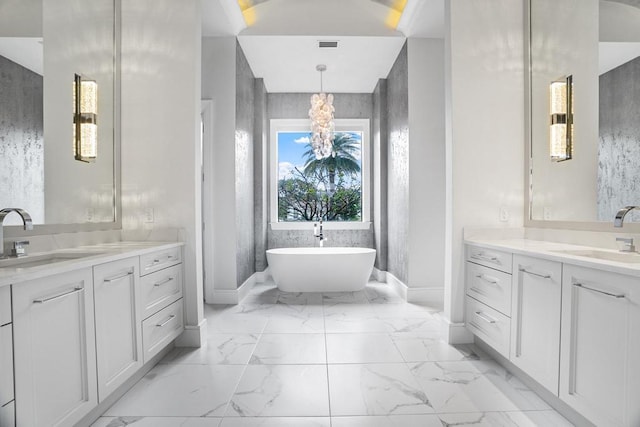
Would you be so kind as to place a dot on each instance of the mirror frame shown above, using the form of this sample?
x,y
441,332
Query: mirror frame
x,y
43,229
528,171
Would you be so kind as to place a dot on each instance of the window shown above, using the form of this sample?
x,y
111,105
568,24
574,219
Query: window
x,y
305,189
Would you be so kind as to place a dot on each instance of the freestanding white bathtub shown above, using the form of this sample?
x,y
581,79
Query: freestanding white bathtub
x,y
321,269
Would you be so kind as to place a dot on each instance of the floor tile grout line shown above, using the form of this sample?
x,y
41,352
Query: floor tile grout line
x,y
326,360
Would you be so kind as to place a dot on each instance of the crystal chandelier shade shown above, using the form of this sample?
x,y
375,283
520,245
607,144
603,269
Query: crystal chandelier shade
x,y
322,124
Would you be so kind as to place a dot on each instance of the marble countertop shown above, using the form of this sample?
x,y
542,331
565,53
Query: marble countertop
x,y
558,252
92,255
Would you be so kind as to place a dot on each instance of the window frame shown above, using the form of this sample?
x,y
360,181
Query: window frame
x,y
303,125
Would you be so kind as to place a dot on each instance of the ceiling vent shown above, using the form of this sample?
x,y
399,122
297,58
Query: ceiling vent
x,y
324,43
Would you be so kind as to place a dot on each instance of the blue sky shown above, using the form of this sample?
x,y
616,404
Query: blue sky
x,y
291,146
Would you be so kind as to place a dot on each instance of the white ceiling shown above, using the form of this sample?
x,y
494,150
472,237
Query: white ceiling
x,y
281,44
288,64
26,51
614,54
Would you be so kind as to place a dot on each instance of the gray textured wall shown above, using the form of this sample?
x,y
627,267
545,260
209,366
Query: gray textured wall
x,y
619,148
379,133
296,106
260,173
21,140
398,167
244,166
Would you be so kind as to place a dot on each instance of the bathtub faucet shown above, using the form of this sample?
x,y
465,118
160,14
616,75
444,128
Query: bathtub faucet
x,y
317,232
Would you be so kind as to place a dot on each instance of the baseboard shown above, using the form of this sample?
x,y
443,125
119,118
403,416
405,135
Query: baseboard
x,y
193,335
234,296
455,333
433,296
379,275
224,296
397,284
112,398
262,276
554,401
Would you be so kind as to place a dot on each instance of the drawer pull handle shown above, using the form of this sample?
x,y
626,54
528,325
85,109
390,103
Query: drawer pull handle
x,y
171,317
485,317
153,263
167,280
487,279
61,295
580,285
544,276
120,277
485,257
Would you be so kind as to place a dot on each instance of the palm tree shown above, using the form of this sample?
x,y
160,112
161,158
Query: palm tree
x,y
342,160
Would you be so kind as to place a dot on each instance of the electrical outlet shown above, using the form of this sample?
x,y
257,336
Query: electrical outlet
x,y
504,214
90,214
546,213
148,215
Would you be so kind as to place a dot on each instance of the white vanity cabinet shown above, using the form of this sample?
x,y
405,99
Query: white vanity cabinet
x,y
161,299
488,301
7,410
117,323
535,319
600,358
54,349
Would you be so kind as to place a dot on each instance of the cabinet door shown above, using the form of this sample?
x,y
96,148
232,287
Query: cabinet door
x,y
118,328
8,415
6,365
535,319
54,349
5,305
600,374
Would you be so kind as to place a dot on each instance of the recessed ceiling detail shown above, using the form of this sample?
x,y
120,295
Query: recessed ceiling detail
x,y
284,39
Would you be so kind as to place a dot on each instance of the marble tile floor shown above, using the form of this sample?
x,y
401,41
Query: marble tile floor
x,y
350,359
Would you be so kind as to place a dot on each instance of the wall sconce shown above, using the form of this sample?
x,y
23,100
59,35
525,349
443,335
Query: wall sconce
x,y
561,108
85,115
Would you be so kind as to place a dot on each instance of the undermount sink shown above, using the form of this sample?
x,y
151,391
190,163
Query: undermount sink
x,y
44,259
627,257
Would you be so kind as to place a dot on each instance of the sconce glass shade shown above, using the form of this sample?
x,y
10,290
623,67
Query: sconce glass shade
x,y
85,115
561,126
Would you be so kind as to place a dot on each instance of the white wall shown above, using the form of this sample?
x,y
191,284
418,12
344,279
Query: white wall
x,y
485,129
77,192
161,130
21,18
562,47
426,167
219,84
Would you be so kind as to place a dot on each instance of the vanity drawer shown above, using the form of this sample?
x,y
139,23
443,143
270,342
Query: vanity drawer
x,y
158,260
8,415
5,305
161,288
492,258
489,286
161,328
489,325
6,365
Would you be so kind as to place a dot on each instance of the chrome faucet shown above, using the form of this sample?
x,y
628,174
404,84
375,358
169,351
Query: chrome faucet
x,y
317,232
621,214
26,220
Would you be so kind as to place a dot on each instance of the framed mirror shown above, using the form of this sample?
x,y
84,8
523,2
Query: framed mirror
x,y
44,44
594,45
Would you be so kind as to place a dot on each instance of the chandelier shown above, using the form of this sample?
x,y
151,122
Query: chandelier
x,y
322,125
